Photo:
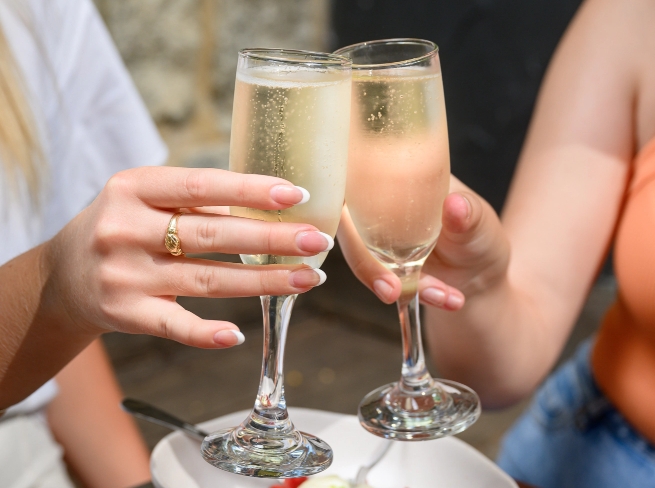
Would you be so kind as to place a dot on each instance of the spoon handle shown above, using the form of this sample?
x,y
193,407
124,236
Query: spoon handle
x,y
152,414
379,453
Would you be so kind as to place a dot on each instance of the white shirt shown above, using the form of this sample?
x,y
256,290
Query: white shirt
x,y
91,121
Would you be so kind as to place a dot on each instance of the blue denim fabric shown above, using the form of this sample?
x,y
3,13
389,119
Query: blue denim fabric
x,y
572,437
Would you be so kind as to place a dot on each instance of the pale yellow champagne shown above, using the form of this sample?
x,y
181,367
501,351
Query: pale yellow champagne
x,y
293,123
399,164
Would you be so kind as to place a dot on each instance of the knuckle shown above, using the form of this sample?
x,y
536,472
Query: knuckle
x,y
110,279
266,280
119,184
359,267
208,235
207,281
109,285
241,188
270,238
195,186
165,326
107,234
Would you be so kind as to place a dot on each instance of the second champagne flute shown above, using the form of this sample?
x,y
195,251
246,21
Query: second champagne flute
x,y
291,120
398,178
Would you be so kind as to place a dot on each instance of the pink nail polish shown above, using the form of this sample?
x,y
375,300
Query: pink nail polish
x,y
434,296
382,289
454,301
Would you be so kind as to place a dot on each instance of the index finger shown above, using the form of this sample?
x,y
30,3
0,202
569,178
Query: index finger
x,y
365,267
169,187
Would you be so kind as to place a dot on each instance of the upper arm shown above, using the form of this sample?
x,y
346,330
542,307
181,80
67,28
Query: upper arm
x,y
566,195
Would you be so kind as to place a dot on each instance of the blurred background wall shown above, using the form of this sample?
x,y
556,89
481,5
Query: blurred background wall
x,y
182,55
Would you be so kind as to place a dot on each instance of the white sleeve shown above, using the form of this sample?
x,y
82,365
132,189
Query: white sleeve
x,y
98,124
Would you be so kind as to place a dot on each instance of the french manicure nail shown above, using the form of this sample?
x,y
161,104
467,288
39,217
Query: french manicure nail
x,y
434,296
329,239
305,195
229,337
311,242
321,275
307,277
289,195
382,288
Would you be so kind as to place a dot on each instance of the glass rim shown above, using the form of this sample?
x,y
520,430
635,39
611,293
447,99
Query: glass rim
x,y
394,64
296,57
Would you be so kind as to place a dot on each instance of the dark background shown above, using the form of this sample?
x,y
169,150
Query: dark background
x,y
493,55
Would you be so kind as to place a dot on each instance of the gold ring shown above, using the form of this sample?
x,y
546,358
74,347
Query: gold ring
x,y
172,241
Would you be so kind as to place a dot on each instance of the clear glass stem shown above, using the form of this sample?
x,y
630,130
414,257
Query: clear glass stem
x,y
415,376
417,407
266,444
270,404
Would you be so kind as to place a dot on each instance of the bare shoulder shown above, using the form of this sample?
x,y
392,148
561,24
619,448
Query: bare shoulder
x,y
589,92
614,28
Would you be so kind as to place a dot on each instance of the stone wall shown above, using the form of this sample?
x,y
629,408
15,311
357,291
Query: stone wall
x,y
182,55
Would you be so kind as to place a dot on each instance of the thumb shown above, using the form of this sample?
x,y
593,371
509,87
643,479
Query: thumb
x,y
472,243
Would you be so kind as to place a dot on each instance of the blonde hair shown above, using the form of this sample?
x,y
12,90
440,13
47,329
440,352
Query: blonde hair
x,y
20,150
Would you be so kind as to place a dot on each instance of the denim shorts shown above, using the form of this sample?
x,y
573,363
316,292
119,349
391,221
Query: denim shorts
x,y
572,437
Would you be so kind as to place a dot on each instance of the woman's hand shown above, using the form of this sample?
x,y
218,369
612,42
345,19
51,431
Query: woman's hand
x,y
111,271
108,269
472,254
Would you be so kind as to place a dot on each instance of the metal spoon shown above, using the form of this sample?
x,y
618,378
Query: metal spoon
x,y
146,411
380,452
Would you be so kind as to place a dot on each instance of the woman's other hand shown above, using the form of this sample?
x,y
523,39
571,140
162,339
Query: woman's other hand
x,y
471,254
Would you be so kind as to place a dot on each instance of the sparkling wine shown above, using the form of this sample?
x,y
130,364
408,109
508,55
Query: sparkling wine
x,y
399,164
293,124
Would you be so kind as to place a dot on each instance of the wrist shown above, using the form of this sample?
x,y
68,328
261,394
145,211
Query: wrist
x,y
60,303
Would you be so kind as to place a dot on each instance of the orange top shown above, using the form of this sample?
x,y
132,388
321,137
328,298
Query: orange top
x,y
623,360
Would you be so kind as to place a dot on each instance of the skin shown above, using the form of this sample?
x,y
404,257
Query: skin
x,y
108,269
526,277
102,444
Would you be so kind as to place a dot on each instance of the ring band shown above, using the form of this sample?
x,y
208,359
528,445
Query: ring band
x,y
172,241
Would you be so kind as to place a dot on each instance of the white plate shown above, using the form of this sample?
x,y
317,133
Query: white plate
x,y
444,463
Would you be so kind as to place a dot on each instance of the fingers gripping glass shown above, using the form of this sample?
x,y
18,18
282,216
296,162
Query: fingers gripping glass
x,y
291,120
398,178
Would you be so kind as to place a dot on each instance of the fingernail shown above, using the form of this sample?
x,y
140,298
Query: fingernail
x,y
307,277
454,301
305,195
314,241
321,275
229,337
289,195
468,206
382,289
434,296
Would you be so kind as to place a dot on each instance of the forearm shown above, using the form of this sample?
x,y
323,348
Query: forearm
x,y
499,344
36,339
102,444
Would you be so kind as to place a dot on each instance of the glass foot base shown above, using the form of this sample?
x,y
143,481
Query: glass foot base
x,y
447,409
247,452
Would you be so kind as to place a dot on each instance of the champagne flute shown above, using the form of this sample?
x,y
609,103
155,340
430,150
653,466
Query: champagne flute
x,y
398,178
290,119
